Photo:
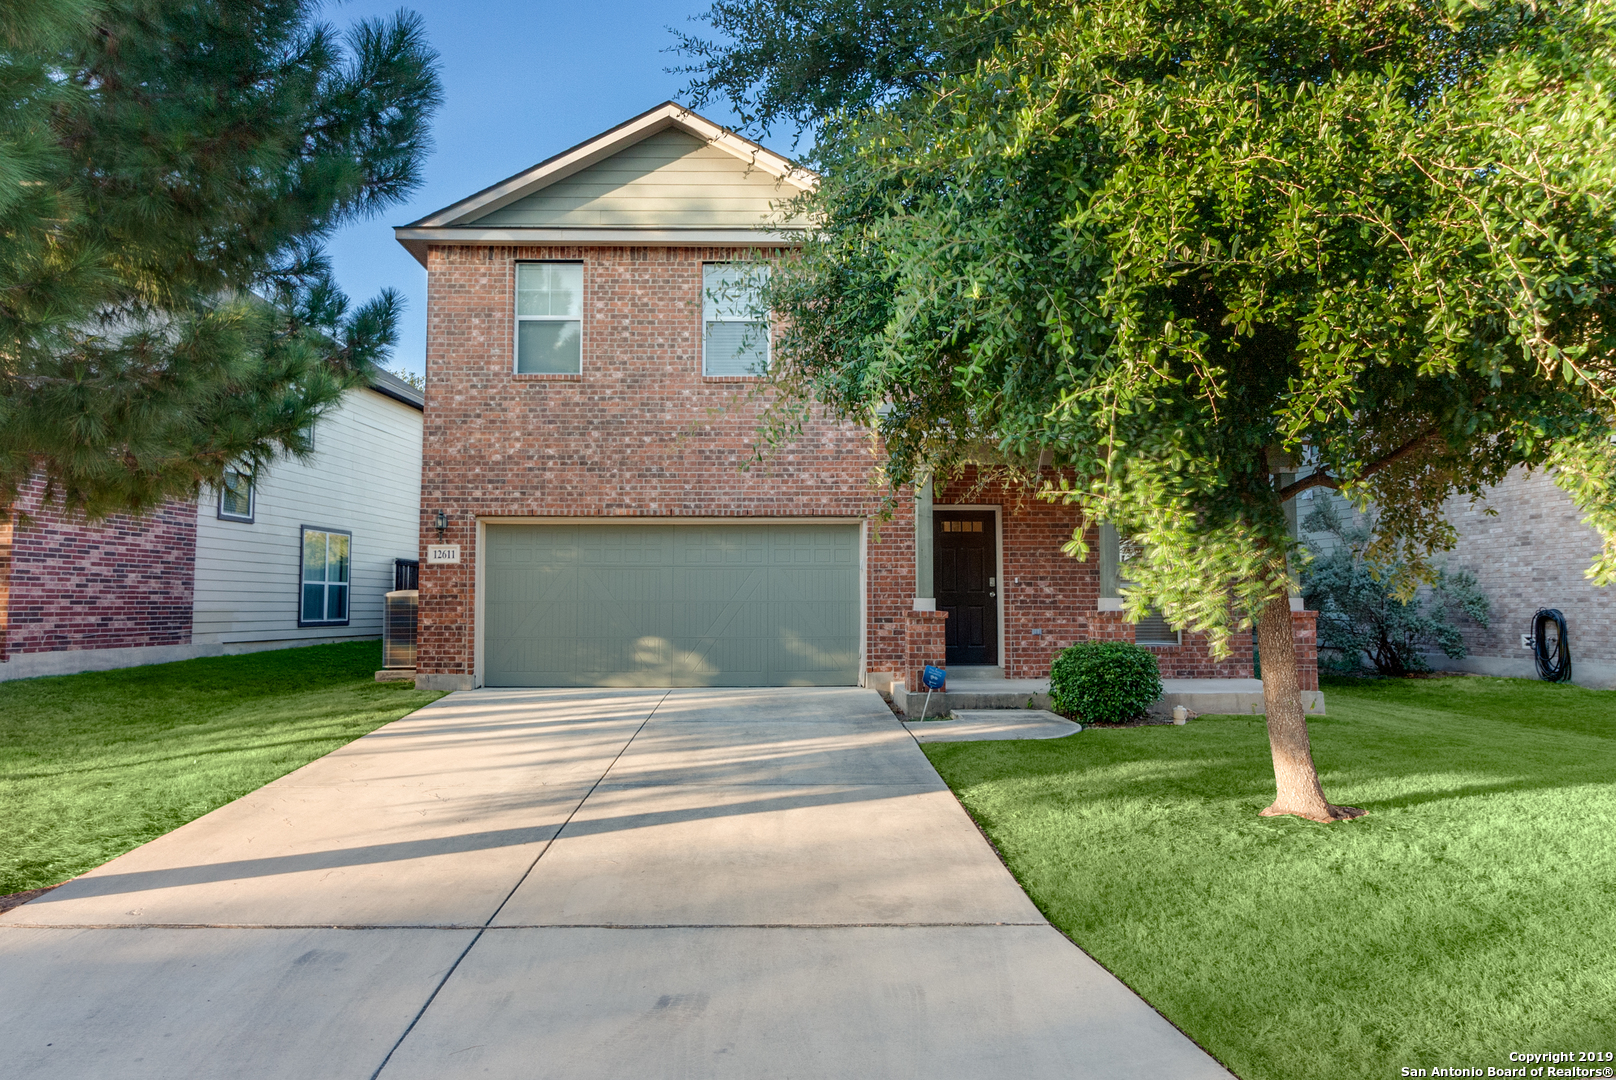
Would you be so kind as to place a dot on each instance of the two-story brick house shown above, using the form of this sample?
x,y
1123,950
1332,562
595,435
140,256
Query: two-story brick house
x,y
592,410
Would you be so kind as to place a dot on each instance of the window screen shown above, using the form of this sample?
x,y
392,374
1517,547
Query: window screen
x,y
549,318
324,597
735,334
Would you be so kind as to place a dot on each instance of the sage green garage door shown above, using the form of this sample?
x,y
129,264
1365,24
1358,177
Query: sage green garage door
x,y
671,605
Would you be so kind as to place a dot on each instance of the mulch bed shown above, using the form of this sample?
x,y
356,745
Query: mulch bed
x,y
18,899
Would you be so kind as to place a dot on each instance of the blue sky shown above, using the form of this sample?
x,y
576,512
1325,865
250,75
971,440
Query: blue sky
x,y
521,81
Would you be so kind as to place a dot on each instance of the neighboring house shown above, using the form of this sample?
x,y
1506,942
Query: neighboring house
x,y
1532,553
300,554
592,409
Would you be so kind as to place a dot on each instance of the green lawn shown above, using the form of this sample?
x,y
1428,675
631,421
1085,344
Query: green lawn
x,y
1471,913
92,765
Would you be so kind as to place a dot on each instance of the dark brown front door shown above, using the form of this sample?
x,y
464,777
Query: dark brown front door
x,y
965,564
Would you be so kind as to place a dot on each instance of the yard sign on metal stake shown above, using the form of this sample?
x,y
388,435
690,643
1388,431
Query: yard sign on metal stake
x,y
933,677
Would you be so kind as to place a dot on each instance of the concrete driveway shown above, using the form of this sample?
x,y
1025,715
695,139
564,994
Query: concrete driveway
x,y
603,883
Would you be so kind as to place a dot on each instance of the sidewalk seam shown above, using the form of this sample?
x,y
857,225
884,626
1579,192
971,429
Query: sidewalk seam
x,y
478,936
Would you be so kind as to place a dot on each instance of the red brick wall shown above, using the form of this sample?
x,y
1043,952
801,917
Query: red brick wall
x,y
1305,625
643,433
927,641
125,583
1046,590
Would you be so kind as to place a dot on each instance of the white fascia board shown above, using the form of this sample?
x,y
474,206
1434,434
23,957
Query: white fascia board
x,y
580,157
416,240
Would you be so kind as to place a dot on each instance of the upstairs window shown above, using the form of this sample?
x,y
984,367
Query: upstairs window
x,y
735,328
549,318
236,496
324,600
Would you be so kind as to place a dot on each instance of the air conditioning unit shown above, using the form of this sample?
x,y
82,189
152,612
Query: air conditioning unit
x,y
399,615
406,574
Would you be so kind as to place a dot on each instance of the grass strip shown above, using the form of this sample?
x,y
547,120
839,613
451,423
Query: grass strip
x,y
1471,914
95,764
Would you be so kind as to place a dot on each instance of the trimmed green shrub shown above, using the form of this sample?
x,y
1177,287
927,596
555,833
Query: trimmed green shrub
x,y
1105,682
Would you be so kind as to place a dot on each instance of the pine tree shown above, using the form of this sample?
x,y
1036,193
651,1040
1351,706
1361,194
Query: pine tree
x,y
169,170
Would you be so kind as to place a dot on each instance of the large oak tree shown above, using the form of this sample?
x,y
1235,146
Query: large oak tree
x,y
1211,254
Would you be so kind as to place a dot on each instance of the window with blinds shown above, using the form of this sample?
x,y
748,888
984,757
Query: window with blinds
x,y
735,334
549,318
1153,630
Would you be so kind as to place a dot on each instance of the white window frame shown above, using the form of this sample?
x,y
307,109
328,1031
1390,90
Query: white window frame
x,y
710,315
252,496
302,541
519,318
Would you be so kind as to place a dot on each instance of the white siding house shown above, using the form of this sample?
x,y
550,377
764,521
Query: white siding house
x,y
227,573
363,482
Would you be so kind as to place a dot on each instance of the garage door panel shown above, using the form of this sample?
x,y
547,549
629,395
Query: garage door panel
x,y
671,605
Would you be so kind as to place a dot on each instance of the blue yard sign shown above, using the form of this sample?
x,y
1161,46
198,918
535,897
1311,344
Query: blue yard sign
x,y
933,678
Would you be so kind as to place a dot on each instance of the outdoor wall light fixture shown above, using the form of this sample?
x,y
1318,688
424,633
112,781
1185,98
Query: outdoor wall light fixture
x,y
443,523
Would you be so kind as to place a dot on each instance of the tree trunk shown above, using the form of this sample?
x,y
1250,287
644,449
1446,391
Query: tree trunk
x,y
1295,777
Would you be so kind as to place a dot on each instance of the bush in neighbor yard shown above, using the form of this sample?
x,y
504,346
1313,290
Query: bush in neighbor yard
x,y
1361,613
1105,682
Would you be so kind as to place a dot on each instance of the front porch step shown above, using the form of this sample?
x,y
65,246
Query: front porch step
x,y
975,694
975,673
1222,696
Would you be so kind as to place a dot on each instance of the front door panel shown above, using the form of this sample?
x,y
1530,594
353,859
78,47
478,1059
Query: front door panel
x,y
966,564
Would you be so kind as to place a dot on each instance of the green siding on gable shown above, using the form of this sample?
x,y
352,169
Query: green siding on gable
x,y
670,179
672,605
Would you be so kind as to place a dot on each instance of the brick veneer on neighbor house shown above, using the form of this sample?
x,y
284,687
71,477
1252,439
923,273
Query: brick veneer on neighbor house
x,y
1533,552
642,433
125,583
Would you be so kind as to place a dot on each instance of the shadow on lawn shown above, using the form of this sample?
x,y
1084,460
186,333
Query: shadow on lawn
x,y
1219,759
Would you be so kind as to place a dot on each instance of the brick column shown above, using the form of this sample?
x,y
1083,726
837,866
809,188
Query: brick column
x,y
6,532
924,644
1305,625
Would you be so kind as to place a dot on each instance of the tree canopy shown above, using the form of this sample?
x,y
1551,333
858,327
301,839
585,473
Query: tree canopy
x,y
1198,249
169,170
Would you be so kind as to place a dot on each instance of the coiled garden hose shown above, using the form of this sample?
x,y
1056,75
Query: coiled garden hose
x,y
1553,658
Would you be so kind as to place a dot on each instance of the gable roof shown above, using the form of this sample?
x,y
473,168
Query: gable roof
x,y
668,175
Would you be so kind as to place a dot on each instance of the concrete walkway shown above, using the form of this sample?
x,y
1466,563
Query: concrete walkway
x,y
991,725
634,883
